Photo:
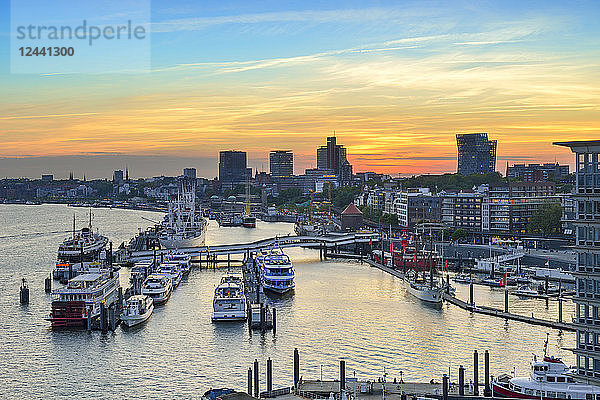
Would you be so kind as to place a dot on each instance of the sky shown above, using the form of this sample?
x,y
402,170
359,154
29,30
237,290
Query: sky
x,y
395,80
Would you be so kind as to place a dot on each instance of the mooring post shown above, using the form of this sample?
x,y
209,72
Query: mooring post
x,y
461,381
342,376
257,288
263,318
24,293
102,317
89,318
559,309
486,390
471,294
296,368
546,285
48,284
506,300
110,254
256,388
269,377
249,381
228,260
274,320
445,387
475,373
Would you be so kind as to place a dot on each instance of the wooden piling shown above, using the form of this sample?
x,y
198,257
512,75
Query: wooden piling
x,y
274,321
269,377
471,294
24,293
475,373
250,381
256,387
48,284
487,389
445,387
342,376
461,381
506,300
296,368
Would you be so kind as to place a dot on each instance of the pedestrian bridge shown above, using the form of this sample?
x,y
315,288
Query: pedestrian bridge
x,y
327,242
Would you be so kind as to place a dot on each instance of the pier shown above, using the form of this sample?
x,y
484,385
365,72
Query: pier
x,y
323,242
472,307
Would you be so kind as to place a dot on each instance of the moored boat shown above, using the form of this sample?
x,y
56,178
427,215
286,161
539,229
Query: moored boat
x,y
82,297
137,309
549,379
171,270
229,302
526,291
276,270
422,288
158,287
463,278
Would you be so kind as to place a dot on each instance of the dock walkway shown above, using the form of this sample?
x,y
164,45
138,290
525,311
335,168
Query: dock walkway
x,y
487,310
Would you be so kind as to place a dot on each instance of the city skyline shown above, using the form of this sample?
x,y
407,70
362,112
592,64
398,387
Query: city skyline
x,y
397,82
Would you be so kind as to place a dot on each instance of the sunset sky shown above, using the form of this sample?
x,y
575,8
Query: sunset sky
x,y
395,80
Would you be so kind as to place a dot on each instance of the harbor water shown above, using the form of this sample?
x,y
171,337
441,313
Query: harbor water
x,y
339,309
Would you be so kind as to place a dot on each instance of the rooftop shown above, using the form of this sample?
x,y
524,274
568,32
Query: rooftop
x,y
351,210
578,143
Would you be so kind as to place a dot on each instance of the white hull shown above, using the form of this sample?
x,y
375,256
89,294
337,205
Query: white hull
x,y
428,295
229,315
132,320
176,242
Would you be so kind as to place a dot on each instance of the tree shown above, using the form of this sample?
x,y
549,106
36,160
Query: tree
x,y
458,235
546,219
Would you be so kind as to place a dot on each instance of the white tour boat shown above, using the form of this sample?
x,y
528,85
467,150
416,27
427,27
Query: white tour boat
x,y
184,260
229,303
549,379
172,270
276,270
80,299
526,291
158,287
137,309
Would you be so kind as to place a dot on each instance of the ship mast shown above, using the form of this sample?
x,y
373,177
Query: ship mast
x,y
73,227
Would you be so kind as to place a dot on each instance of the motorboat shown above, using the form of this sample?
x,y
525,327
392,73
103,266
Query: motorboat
x,y
184,260
158,287
229,302
526,291
463,278
494,282
172,270
137,309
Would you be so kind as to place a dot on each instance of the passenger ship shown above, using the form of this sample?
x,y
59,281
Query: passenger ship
x,y
76,252
549,379
184,226
229,302
73,304
276,270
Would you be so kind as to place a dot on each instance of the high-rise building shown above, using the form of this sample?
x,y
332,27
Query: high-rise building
x,y
118,176
232,168
189,173
281,163
587,247
333,157
476,154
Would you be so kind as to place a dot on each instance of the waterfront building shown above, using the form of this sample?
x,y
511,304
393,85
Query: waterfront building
x,y
587,271
351,218
510,206
232,168
189,173
417,205
463,210
538,172
476,154
281,163
47,178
